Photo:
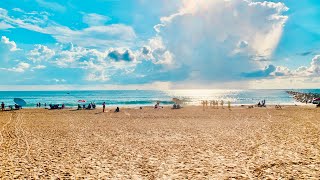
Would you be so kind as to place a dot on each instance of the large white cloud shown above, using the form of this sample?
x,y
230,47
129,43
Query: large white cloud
x,y
40,53
308,74
96,35
218,40
21,67
7,49
7,44
97,65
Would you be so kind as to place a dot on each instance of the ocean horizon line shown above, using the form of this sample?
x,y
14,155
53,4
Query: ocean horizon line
x,y
188,89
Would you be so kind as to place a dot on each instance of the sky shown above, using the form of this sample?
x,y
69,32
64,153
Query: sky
x,y
159,44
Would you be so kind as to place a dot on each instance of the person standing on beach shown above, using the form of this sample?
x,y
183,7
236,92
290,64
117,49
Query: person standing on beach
x,y
203,104
103,106
2,106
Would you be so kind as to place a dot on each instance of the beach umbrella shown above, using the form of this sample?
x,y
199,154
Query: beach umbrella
x,y
177,101
81,101
19,101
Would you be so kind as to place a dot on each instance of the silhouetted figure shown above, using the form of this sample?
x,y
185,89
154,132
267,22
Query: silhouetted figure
x,y
2,106
103,106
16,106
117,110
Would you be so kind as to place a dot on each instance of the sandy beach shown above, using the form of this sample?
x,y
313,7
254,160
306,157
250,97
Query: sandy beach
x,y
161,144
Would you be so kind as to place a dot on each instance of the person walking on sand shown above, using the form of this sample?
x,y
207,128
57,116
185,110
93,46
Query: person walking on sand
x,y
203,104
103,106
2,106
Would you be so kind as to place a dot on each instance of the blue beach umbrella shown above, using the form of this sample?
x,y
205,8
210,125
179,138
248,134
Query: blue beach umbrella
x,y
19,101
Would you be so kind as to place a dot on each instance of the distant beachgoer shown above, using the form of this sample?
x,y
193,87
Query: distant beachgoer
x,y
79,107
222,103
45,105
174,106
140,107
229,105
39,104
84,106
117,109
157,105
2,106
203,104
103,106
62,106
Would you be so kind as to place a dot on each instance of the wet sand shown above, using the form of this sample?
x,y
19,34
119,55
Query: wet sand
x,y
161,144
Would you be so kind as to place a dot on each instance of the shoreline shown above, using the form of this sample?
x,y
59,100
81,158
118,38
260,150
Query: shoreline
x,y
242,106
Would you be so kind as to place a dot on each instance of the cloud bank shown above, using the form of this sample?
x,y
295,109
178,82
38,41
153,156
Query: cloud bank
x,y
203,41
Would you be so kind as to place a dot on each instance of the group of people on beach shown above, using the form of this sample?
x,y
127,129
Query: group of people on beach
x,y
214,104
90,106
15,107
39,105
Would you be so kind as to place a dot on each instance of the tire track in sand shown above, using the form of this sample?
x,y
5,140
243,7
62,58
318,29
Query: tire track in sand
x,y
13,139
20,122
3,129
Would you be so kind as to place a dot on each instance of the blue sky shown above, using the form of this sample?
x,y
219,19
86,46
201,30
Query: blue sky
x,y
54,44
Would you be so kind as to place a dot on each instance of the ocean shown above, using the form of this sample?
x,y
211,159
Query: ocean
x,y
149,97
